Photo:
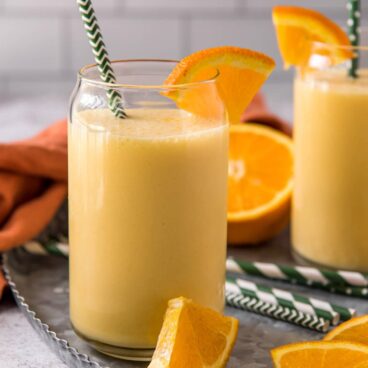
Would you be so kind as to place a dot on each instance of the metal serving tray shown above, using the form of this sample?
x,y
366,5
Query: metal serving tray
x,y
40,287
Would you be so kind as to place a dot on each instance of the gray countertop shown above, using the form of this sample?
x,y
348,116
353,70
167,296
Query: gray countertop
x,y
20,346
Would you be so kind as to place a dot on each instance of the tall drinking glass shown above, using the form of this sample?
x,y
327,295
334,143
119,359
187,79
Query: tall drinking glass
x,y
330,204
147,204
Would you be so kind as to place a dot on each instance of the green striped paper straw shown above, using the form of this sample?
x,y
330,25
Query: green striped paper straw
x,y
353,26
315,307
51,246
101,55
308,276
60,247
235,298
355,291
285,299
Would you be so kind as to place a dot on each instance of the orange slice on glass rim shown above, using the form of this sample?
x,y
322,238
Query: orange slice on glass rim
x,y
297,28
241,74
321,354
194,336
259,183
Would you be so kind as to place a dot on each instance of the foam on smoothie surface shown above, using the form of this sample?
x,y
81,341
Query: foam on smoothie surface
x,y
147,123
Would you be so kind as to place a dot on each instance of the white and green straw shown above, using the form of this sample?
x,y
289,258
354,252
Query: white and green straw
x,y
101,56
312,306
235,298
57,246
280,304
355,291
341,282
353,22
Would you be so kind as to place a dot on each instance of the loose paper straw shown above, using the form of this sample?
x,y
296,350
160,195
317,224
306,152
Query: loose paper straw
x,y
285,299
234,298
355,291
308,276
353,26
314,307
265,270
60,247
101,55
51,246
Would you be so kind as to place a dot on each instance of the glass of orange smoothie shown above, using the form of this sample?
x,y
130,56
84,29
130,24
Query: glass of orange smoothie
x,y
147,205
330,203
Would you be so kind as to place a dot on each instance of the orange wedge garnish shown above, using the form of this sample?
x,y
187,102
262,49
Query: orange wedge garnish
x,y
259,183
241,74
321,354
297,28
194,336
355,330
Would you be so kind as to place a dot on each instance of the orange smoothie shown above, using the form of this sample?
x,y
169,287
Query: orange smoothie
x,y
147,204
330,204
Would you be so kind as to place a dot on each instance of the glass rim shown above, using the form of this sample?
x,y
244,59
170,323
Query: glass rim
x,y
363,30
339,47
98,82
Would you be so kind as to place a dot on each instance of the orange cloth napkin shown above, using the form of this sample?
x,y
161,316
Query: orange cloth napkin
x,y
33,178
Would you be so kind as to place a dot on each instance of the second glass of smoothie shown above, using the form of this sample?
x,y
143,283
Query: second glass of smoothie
x,y
147,205
330,204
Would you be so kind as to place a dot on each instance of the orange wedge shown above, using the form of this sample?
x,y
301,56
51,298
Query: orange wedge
x,y
241,74
321,354
259,183
297,28
194,336
355,330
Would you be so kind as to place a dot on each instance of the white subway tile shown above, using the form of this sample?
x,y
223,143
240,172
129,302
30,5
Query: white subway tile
x,y
129,38
29,45
51,86
180,5
254,34
338,5
54,5
38,4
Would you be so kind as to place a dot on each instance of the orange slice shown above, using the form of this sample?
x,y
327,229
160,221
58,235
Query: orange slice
x,y
241,74
355,330
321,354
259,183
194,336
297,27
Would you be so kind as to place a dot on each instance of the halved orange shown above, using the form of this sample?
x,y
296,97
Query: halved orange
x,y
194,336
259,183
355,330
321,354
298,27
241,74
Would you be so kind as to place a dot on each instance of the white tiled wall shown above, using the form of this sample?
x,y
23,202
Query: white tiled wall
x,y
43,42
32,45
132,37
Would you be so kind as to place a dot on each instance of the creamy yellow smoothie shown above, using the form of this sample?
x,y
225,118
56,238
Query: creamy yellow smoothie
x,y
330,203
147,204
